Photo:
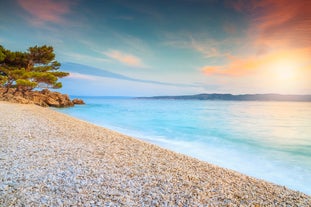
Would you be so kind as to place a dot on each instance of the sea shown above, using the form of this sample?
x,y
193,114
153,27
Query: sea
x,y
266,140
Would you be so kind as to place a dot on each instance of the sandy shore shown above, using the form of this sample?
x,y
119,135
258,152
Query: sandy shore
x,y
50,159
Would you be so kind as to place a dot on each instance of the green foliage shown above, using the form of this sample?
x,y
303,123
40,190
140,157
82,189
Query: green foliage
x,y
3,80
58,85
2,54
26,83
27,70
41,55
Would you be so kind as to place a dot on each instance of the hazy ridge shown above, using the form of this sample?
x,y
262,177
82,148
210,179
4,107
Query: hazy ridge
x,y
241,97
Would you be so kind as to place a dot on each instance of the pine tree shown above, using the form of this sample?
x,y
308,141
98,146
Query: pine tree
x,y
25,71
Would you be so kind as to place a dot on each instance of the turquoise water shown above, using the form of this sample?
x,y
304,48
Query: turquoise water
x,y
267,140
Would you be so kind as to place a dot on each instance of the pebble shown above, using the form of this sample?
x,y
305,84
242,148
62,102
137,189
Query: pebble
x,y
51,159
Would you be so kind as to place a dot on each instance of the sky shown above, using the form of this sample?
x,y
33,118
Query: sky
x,y
168,47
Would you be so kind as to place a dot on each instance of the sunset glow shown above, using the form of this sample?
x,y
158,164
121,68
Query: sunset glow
x,y
202,47
285,69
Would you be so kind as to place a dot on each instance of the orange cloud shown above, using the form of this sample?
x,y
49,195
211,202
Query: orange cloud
x,y
42,11
286,20
278,22
235,67
298,60
124,58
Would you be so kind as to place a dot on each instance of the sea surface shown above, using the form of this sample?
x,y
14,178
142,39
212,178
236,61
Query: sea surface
x,y
266,140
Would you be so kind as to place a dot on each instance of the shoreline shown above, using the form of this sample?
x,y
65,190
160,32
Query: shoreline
x,y
49,158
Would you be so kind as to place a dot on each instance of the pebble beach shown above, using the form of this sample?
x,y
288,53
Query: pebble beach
x,y
51,159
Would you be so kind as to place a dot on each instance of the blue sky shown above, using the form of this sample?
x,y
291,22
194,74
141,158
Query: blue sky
x,y
170,47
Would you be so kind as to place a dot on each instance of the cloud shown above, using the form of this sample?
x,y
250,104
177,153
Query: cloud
x,y
235,67
136,44
42,11
208,50
83,58
285,21
282,23
208,47
85,72
125,58
74,75
297,60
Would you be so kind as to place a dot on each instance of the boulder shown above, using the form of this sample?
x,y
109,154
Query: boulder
x,y
52,102
78,101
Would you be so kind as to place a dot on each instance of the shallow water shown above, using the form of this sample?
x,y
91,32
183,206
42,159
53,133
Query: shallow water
x,y
267,140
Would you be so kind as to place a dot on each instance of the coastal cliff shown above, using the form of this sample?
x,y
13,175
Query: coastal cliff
x,y
43,98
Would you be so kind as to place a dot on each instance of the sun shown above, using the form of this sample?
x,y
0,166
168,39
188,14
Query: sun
x,y
285,70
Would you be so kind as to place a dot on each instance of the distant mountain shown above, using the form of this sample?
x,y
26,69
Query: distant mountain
x,y
242,97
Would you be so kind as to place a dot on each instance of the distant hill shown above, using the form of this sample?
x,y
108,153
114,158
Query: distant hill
x,y
242,97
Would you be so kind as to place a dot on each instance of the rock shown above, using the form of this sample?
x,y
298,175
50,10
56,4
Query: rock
x,y
14,99
21,100
52,102
39,100
78,101
45,91
42,98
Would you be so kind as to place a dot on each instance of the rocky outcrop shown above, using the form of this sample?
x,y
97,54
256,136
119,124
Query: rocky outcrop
x,y
43,98
78,101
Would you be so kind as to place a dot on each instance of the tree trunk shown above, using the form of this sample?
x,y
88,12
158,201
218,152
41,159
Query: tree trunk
x,y
29,65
